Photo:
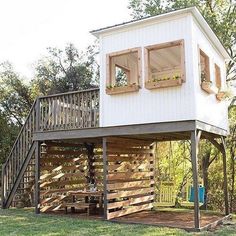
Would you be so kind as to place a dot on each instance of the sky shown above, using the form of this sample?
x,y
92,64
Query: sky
x,y
28,27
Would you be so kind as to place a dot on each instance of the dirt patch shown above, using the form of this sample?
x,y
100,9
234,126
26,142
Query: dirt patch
x,y
169,219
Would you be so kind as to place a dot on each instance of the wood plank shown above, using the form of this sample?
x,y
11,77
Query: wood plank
x,y
129,193
60,190
62,183
129,151
131,201
66,152
124,185
134,175
68,175
130,210
128,141
129,158
124,166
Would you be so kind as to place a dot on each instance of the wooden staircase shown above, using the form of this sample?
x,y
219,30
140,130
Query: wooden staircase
x,y
72,110
18,170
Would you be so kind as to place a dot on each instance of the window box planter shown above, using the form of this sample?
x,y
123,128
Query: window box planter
x,y
220,95
163,83
208,87
122,89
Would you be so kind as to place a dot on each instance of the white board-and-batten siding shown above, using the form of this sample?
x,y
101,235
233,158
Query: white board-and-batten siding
x,y
158,105
208,108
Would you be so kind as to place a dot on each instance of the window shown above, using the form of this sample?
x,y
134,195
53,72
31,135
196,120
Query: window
x,y
204,67
164,65
204,70
217,77
220,95
123,71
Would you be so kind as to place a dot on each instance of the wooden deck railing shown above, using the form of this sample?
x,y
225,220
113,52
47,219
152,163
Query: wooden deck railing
x,y
71,110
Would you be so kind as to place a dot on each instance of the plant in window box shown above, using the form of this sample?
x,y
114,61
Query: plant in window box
x,y
207,85
166,81
121,88
222,95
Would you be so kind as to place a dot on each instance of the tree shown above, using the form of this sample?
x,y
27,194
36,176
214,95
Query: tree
x,y
66,70
8,134
15,95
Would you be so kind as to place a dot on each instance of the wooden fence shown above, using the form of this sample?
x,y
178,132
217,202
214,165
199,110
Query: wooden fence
x,y
129,176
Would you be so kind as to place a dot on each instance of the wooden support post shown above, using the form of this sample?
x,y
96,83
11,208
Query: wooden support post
x,y
195,137
91,159
104,148
225,176
3,187
37,178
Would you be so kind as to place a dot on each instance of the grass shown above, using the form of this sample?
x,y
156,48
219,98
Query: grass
x,y
25,222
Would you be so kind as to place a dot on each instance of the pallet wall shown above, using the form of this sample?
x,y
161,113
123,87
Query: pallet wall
x,y
66,167
129,175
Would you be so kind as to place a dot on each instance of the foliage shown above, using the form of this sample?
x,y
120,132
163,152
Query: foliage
x,y
8,134
66,70
15,95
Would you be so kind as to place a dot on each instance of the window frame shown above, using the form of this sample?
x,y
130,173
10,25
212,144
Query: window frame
x,y
218,79
207,65
149,84
135,86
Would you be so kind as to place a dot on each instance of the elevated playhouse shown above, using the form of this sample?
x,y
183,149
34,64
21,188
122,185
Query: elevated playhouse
x,y
162,78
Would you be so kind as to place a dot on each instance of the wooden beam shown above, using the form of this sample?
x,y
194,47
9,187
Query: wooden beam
x,y
211,129
195,137
225,177
105,171
222,148
154,128
37,178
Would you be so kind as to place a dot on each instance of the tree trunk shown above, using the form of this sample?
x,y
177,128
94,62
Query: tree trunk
x,y
205,166
232,154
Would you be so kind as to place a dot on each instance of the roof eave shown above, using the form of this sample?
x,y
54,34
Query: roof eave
x,y
195,12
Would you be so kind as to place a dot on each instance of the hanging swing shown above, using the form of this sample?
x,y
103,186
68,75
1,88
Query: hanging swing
x,y
167,189
188,192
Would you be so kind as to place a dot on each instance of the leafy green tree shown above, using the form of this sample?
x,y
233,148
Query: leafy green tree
x,y
66,70
8,133
15,95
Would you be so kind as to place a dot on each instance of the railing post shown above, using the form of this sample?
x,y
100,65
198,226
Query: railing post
x,y
37,119
37,178
3,186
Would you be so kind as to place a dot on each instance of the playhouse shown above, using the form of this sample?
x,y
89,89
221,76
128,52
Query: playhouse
x,y
162,78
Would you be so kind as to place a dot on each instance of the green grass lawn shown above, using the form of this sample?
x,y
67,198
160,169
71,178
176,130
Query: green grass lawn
x,y
25,222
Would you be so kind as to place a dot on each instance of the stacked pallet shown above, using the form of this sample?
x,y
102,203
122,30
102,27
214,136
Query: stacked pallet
x,y
65,167
130,176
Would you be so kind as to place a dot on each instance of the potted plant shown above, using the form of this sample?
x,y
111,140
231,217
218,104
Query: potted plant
x,y
121,88
163,82
206,85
